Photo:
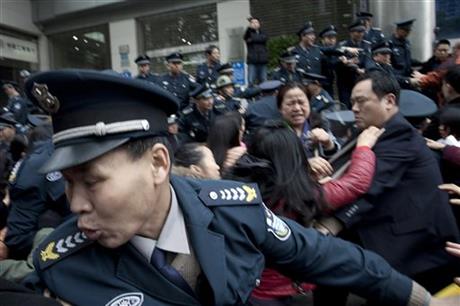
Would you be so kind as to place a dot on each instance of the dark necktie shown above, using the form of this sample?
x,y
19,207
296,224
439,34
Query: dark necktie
x,y
158,259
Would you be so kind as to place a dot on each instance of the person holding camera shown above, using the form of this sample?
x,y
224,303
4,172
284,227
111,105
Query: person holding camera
x,y
257,53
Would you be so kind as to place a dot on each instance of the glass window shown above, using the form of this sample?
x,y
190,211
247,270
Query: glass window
x,y
188,31
180,28
82,48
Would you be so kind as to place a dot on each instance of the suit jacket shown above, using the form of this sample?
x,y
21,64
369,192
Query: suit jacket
x,y
233,237
404,216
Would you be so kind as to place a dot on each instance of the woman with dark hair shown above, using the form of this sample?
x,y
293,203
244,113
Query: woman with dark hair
x,y
195,160
277,162
294,106
225,139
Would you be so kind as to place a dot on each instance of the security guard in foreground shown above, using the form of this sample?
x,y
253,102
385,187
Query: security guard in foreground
x,y
143,237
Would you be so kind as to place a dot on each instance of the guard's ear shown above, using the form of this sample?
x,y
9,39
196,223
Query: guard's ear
x,y
390,101
160,163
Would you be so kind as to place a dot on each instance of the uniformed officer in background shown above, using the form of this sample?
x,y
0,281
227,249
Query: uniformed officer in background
x,y
143,67
174,241
320,100
353,65
227,69
381,59
372,35
206,73
196,118
225,100
37,200
328,42
288,70
17,105
308,53
177,81
401,58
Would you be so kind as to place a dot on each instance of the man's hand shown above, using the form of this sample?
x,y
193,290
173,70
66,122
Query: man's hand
x,y
454,249
434,145
451,189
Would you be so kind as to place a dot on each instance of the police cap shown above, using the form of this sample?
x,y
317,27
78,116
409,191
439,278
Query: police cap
x,y
307,28
406,24
225,68
142,59
38,120
364,15
414,104
289,56
7,120
172,119
174,57
94,112
344,117
268,86
357,26
308,78
382,47
201,92
331,30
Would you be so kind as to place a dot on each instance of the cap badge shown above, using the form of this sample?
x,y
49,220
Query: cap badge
x,y
45,99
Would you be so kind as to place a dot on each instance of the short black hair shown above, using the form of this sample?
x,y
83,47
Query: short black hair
x,y
382,83
442,42
138,146
210,48
452,77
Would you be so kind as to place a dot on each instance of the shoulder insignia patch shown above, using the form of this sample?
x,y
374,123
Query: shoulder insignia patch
x,y
127,299
230,193
276,226
55,250
54,176
14,172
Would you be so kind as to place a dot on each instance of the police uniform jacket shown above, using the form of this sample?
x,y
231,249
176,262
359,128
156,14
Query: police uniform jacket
x,y
374,36
309,59
404,216
401,59
193,125
233,237
152,78
180,86
321,102
285,76
403,81
18,107
35,198
207,75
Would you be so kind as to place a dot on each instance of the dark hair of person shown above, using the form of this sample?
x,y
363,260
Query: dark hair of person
x,y
452,77
18,147
137,147
210,48
382,83
290,182
40,133
224,134
442,42
285,88
188,154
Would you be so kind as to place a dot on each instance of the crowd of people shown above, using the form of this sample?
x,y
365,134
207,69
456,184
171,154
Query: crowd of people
x,y
336,173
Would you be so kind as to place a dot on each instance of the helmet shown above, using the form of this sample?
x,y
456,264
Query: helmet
x,y
223,80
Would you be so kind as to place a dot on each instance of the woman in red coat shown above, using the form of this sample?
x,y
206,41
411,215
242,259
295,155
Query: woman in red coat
x,y
277,161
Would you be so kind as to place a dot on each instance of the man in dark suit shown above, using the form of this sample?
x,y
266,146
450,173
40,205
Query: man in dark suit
x,y
403,217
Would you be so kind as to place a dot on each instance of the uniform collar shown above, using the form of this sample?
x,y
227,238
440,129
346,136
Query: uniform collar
x,y
173,237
